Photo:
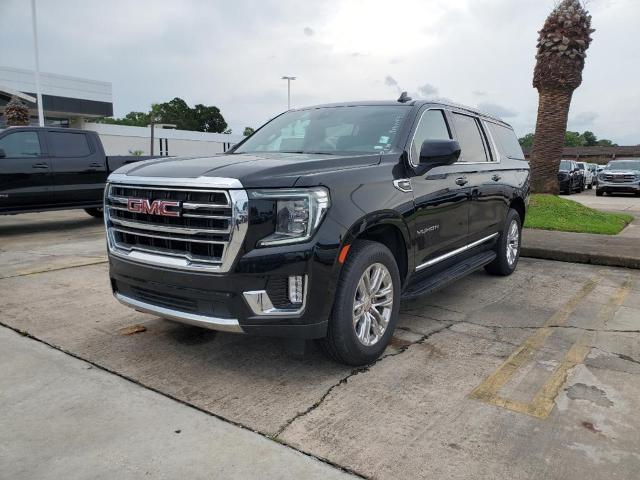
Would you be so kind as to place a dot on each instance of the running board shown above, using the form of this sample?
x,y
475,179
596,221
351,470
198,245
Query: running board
x,y
450,275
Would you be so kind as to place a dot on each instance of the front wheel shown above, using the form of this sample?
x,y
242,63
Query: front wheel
x,y
95,212
599,193
508,247
366,305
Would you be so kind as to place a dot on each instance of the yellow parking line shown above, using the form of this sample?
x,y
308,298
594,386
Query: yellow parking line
x,y
488,390
544,400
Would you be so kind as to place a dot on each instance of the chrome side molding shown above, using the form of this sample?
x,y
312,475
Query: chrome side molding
x,y
452,253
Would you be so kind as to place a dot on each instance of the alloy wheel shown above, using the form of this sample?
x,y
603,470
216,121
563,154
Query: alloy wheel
x,y
372,304
513,243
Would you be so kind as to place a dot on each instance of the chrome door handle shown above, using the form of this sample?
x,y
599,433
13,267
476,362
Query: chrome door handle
x,y
496,177
462,181
40,165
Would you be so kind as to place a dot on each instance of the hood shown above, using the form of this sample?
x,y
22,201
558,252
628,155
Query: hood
x,y
263,170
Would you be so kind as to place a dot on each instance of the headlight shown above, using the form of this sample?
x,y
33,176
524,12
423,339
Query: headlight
x,y
299,213
601,176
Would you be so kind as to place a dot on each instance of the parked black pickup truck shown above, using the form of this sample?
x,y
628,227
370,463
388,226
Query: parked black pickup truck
x,y
320,222
53,168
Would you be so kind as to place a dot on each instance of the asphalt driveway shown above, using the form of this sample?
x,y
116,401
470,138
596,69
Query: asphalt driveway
x,y
532,376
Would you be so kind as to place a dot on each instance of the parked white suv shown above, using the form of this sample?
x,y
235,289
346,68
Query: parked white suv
x,y
587,175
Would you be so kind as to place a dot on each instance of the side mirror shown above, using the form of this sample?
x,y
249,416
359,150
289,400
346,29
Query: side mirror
x,y
436,153
2,154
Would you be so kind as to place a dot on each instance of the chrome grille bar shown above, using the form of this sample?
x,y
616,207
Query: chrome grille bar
x,y
205,233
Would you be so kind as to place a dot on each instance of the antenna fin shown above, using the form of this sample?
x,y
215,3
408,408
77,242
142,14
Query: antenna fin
x,y
404,98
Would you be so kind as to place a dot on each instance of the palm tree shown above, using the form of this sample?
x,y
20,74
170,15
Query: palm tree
x,y
562,44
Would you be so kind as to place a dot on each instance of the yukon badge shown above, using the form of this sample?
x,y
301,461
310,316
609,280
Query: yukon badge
x,y
157,207
429,229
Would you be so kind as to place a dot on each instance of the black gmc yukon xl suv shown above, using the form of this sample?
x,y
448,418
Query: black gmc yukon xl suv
x,y
317,225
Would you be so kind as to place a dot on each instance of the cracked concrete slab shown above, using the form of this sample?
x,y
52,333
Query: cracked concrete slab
x,y
73,421
407,416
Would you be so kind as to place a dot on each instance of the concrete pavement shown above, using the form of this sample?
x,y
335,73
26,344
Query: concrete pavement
x,y
618,202
531,376
63,418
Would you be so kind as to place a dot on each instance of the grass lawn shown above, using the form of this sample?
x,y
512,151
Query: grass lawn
x,y
549,212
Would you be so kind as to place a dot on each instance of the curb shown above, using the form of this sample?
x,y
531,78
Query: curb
x,y
579,257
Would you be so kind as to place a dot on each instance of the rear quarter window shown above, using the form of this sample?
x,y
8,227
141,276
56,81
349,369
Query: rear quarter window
x,y
506,141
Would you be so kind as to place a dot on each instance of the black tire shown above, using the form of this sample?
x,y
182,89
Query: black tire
x,y
570,190
599,193
590,186
501,265
341,343
95,212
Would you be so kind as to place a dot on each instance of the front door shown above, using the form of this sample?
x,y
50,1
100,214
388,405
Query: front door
x,y
25,171
440,222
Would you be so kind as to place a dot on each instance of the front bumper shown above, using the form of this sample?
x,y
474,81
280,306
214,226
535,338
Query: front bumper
x,y
250,299
631,187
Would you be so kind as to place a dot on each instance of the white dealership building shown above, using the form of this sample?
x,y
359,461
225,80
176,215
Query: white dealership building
x,y
74,102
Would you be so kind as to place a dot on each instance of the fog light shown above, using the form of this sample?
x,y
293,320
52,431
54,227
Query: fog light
x,y
296,289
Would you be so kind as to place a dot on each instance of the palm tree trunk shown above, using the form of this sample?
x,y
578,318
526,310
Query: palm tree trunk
x,y
551,125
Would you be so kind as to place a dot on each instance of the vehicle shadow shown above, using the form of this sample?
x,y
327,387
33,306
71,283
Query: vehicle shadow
x,y
43,226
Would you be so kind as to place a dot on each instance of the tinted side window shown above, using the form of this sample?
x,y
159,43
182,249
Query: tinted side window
x,y
506,141
65,144
470,139
432,126
21,145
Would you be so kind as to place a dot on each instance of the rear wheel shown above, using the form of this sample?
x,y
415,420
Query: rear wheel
x,y
95,212
508,247
366,305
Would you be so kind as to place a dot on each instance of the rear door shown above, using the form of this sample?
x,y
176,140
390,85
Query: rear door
x,y
486,203
79,168
25,171
440,222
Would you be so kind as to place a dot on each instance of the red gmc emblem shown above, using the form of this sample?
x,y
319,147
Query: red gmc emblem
x,y
157,207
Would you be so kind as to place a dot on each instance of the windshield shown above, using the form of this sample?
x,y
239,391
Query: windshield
x,y
329,130
565,165
624,165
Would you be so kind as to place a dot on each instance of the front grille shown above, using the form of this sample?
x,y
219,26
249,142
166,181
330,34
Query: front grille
x,y
194,232
622,178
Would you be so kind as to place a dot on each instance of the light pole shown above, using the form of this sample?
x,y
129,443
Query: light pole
x,y
288,78
34,21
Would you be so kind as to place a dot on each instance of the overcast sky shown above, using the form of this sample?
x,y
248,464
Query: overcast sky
x,y
232,54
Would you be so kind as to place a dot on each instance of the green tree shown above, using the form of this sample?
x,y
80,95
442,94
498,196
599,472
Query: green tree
x,y
527,140
248,131
589,139
201,118
573,139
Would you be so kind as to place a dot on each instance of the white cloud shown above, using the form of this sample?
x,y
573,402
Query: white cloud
x,y
428,90
232,54
496,110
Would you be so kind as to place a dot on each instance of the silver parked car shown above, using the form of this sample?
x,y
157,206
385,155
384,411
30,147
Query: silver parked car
x,y
620,176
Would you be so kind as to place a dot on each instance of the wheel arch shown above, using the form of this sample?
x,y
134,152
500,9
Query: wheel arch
x,y
519,206
389,229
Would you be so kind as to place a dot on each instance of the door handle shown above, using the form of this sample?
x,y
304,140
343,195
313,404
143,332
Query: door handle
x,y
496,177
95,165
462,181
40,165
